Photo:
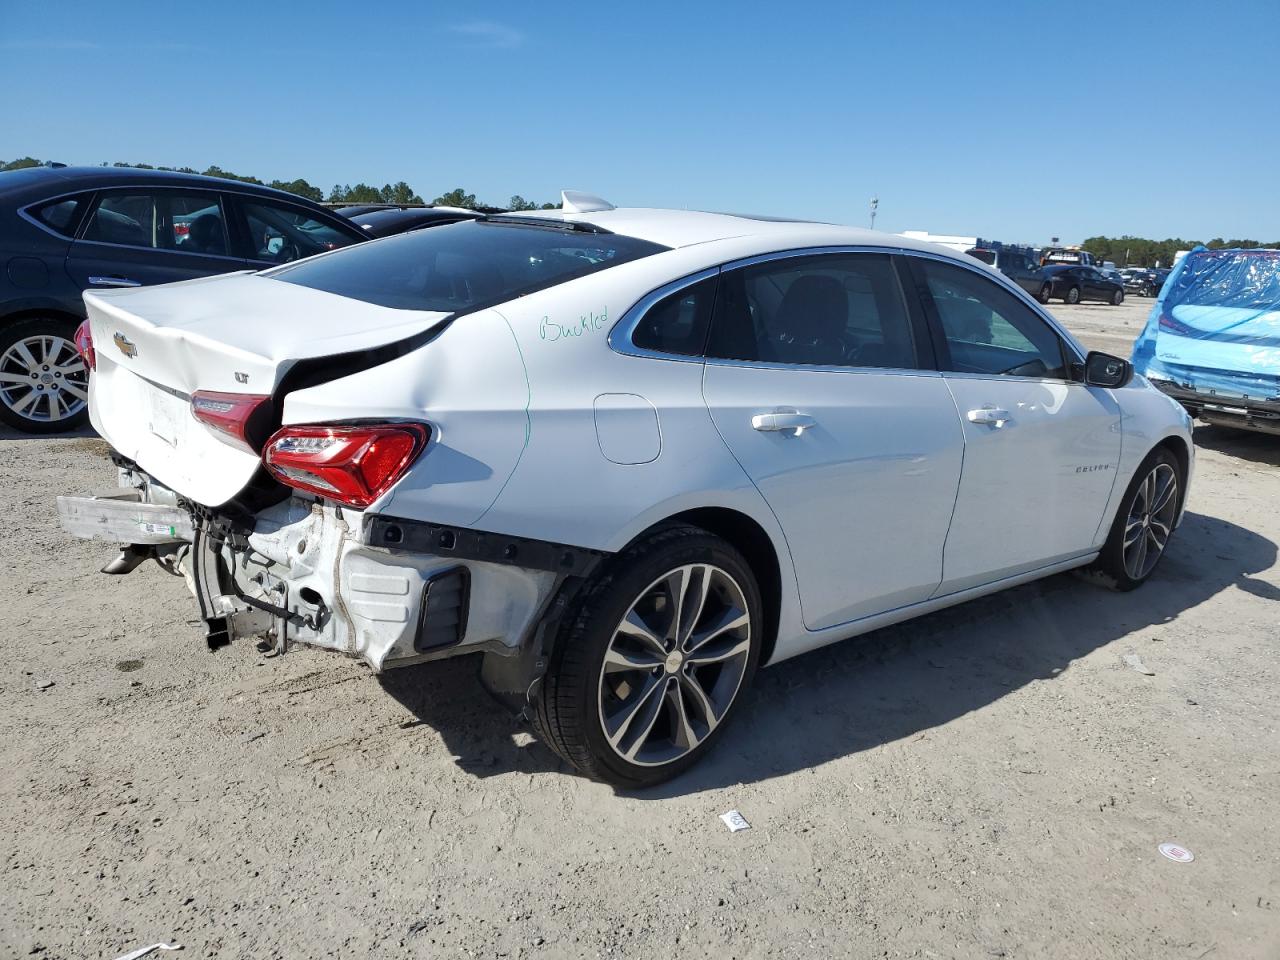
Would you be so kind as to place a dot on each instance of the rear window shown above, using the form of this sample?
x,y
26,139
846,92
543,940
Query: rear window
x,y
464,266
1248,279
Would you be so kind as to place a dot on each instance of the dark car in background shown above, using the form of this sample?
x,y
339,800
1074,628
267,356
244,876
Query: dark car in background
x,y
386,223
67,229
1072,284
1018,265
1144,281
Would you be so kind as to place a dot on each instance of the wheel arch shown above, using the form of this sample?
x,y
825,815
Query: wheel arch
x,y
1176,445
757,548
53,310
1182,453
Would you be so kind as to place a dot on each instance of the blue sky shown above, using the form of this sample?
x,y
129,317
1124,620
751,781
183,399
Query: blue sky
x,y
1011,120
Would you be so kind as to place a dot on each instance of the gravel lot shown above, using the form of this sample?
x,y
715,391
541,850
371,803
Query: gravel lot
x,y
991,781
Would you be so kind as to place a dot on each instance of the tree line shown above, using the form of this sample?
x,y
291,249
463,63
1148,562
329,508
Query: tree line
x,y
399,192
1140,252
1125,251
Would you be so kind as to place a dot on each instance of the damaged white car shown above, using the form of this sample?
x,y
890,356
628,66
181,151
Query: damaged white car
x,y
627,455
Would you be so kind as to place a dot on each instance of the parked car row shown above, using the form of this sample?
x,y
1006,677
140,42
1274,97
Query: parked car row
x,y
1052,279
1144,281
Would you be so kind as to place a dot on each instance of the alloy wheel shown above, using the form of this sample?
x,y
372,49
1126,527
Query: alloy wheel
x,y
1150,521
674,665
43,379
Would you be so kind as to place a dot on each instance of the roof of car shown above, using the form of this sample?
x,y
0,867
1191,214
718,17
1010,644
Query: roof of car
x,y
683,228
65,179
411,214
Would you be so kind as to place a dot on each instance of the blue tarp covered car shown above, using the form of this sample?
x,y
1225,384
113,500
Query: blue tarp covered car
x,y
1213,338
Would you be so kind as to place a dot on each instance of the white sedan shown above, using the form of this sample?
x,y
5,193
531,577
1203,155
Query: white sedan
x,y
625,454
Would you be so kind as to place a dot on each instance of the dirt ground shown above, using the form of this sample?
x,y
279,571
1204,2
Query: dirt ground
x,y
990,781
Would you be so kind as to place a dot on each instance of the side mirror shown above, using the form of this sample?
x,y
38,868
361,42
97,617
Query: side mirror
x,y
1104,370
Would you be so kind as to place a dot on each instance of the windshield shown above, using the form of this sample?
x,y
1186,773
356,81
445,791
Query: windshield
x,y
464,266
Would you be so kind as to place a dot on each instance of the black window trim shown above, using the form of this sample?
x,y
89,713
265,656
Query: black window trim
x,y
25,212
1072,359
98,196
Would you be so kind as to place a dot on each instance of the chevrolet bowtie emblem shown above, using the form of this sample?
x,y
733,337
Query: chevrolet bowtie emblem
x,y
127,346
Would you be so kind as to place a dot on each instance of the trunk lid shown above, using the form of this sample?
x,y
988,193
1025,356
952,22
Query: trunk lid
x,y
233,334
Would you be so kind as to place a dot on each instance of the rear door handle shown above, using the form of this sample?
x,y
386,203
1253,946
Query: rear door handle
x,y
788,422
113,282
990,415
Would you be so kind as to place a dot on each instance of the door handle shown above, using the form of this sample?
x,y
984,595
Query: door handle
x,y
989,415
787,422
113,282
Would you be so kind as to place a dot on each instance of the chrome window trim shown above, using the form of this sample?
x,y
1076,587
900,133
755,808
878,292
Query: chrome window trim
x,y
620,335
244,263
25,214
820,367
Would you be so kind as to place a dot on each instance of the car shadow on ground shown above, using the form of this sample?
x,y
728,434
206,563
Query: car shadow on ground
x,y
886,686
1245,444
80,433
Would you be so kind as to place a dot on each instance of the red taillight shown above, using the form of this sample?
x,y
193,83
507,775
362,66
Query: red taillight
x,y
230,415
84,345
354,465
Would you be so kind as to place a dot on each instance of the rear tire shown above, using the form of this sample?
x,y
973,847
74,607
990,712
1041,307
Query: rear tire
x,y
44,385
1043,295
634,694
1143,523
1073,296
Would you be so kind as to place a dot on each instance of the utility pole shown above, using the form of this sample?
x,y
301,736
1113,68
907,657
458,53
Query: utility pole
x,y
875,202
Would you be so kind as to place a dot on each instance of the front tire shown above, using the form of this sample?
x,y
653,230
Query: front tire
x,y
649,670
1073,296
1117,298
1144,523
1043,295
44,385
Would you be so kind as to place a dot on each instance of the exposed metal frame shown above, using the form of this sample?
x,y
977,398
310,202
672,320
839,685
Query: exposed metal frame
x,y
464,543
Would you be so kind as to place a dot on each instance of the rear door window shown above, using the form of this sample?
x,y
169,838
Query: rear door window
x,y
189,222
465,266
842,310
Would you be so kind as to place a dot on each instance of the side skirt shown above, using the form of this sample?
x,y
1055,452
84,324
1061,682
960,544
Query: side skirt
x,y
812,640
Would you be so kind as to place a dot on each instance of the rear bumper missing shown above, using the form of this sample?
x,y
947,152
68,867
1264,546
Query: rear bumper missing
x,y
309,572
